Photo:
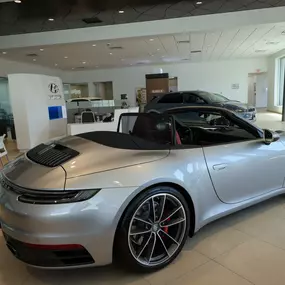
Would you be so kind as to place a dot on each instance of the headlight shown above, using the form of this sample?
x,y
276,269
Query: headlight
x,y
55,197
240,111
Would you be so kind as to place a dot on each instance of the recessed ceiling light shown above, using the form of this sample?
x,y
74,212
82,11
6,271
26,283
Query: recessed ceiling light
x,y
121,11
151,55
163,56
94,45
151,40
199,3
18,1
41,49
111,53
34,59
51,19
4,52
83,62
131,64
72,68
158,49
122,59
66,57
55,64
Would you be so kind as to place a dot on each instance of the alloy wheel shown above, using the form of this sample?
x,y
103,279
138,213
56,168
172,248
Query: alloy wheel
x,y
157,229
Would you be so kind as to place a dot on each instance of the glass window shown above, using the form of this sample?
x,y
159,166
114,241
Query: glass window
x,y
172,98
203,128
193,99
281,78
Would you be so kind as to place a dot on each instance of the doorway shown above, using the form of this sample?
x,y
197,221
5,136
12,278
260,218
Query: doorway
x,y
173,84
257,90
104,90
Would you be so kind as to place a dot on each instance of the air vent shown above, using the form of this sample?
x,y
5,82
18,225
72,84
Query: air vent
x,y
32,55
196,51
183,42
51,155
115,48
93,20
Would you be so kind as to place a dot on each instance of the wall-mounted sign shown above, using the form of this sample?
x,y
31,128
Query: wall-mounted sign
x,y
235,86
53,88
54,92
158,91
55,97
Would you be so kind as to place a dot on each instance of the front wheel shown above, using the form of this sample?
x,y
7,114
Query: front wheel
x,y
154,229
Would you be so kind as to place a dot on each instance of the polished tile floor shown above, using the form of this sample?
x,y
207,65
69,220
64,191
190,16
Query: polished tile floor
x,y
245,248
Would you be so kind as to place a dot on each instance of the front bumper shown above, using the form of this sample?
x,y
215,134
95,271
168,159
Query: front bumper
x,y
44,235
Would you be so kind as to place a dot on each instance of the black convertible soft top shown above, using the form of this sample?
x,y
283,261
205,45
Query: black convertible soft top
x,y
122,141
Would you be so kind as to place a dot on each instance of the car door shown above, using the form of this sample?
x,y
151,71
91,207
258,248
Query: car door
x,y
244,169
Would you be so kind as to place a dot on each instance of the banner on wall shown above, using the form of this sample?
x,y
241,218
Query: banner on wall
x,y
141,98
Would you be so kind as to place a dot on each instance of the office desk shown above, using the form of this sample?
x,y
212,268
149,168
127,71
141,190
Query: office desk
x,y
74,129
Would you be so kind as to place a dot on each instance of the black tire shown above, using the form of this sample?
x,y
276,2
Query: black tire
x,y
122,253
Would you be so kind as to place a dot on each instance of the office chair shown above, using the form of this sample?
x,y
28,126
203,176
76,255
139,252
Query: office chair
x,y
87,117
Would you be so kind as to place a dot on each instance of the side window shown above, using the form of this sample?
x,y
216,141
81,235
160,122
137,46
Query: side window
x,y
191,98
208,128
172,98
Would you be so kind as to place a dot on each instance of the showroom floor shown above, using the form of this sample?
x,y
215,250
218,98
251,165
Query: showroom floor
x,y
245,248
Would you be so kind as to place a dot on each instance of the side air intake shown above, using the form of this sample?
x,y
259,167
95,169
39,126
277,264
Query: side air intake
x,y
51,155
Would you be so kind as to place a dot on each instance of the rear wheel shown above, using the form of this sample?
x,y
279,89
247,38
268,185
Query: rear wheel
x,y
154,229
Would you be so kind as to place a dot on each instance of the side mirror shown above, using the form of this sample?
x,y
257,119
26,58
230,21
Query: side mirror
x,y
270,137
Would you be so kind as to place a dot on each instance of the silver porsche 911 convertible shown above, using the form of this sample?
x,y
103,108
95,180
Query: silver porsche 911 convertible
x,y
135,195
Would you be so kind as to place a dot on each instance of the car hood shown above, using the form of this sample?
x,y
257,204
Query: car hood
x,y
94,157
237,105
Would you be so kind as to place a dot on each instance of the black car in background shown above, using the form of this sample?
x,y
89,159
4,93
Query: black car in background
x,y
192,98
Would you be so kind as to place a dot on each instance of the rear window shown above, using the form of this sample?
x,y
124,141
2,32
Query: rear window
x,y
172,98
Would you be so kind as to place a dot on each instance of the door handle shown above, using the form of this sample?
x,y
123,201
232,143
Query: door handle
x,y
219,167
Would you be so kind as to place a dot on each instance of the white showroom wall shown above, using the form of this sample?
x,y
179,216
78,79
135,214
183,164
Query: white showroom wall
x,y
210,76
273,81
8,67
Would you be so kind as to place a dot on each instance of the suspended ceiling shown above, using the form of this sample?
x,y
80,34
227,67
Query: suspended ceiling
x,y
244,42
33,16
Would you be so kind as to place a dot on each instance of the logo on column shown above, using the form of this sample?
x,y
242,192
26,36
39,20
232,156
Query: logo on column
x,y
54,89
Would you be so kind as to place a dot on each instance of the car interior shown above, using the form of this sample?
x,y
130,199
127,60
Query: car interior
x,y
205,128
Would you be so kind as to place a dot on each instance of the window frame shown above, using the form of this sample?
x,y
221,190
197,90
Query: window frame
x,y
256,132
280,82
171,94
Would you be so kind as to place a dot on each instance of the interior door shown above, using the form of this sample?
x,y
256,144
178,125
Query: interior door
x,y
244,170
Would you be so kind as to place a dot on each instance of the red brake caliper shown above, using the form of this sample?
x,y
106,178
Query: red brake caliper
x,y
165,229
